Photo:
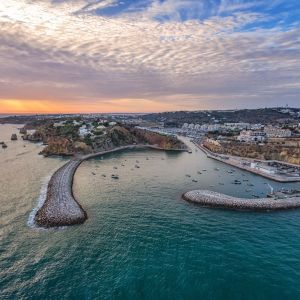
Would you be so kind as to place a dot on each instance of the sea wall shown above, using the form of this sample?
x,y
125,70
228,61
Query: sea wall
x,y
60,207
217,200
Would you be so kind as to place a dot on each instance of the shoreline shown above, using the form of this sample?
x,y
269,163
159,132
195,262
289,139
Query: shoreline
x,y
217,157
212,199
60,207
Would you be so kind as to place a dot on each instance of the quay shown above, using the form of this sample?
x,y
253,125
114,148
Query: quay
x,y
60,207
238,163
217,200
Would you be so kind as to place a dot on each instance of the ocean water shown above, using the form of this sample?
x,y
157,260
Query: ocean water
x,y
142,241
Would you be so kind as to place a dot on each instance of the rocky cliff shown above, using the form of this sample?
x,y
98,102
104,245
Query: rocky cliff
x,y
287,151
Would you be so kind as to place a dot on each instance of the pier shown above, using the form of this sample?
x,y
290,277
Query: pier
x,y
238,163
217,200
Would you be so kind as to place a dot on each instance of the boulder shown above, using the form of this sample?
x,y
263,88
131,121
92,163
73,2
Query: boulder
x,y
14,137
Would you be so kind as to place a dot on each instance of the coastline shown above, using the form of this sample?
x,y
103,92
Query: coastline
x,y
60,207
219,158
212,199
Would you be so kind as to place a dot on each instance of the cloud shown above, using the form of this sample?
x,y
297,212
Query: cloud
x,y
65,50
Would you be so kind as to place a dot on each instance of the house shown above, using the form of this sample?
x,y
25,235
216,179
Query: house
x,y
251,136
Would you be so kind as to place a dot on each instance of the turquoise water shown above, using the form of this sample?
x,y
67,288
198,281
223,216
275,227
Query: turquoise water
x,y
141,240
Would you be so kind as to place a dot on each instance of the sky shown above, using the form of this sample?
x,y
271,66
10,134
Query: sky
x,y
63,56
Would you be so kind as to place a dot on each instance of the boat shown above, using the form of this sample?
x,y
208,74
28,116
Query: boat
x,y
199,172
194,180
93,173
216,169
190,151
115,168
103,175
250,184
188,175
237,182
230,172
136,166
137,161
4,146
122,165
115,176
204,170
221,183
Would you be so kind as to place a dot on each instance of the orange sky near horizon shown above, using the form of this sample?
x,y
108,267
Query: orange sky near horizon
x,y
11,106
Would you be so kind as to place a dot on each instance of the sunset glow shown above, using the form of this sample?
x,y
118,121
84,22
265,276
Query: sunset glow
x,y
147,56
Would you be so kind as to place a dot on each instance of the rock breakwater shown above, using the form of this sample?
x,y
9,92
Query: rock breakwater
x,y
217,200
60,207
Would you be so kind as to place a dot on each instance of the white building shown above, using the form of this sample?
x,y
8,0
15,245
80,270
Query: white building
x,y
251,136
83,131
275,132
239,126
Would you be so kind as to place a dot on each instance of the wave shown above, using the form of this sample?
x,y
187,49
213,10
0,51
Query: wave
x,y
41,200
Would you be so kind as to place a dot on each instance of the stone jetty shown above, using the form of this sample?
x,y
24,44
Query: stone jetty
x,y
60,207
216,200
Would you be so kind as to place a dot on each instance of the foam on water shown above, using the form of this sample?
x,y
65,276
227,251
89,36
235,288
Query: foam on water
x,y
41,200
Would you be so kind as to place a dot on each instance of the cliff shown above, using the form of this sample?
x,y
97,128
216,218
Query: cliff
x,y
159,140
282,150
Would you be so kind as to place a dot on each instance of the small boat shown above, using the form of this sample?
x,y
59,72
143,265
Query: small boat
x,y
221,183
216,169
93,173
255,196
194,180
101,157
250,184
122,165
236,182
136,166
248,190
103,175
204,170
190,151
147,158
230,172
4,146
137,161
114,176
115,168
188,175
245,180
199,172
211,185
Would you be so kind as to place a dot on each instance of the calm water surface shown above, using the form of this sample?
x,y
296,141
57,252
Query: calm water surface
x,y
141,240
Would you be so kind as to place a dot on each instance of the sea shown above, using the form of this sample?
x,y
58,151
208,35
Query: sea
x,y
141,240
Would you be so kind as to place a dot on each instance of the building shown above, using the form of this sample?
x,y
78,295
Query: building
x,y
237,126
263,168
251,136
83,131
275,132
